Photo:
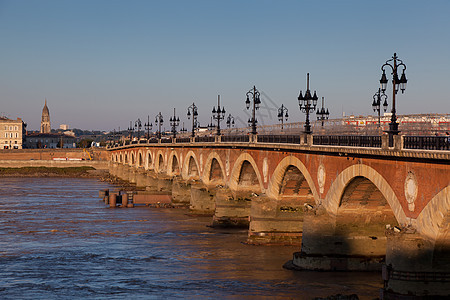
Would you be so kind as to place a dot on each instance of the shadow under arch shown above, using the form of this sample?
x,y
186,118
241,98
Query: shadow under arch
x,y
333,198
159,162
277,177
236,172
148,160
133,159
140,160
213,171
173,165
190,168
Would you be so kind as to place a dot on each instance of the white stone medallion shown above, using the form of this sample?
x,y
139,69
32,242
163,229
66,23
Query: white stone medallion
x,y
411,190
321,175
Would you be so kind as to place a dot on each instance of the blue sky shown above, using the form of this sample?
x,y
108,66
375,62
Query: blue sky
x,y
101,64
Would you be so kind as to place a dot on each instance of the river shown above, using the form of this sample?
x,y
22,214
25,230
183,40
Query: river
x,y
59,241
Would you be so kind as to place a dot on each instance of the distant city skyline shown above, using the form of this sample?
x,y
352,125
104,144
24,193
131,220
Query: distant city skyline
x,y
101,64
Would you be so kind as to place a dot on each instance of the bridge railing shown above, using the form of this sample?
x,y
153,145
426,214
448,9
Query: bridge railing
x,y
426,142
183,140
205,139
348,140
281,139
436,143
166,140
235,138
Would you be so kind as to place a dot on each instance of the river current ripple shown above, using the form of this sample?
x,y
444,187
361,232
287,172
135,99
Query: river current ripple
x,y
59,241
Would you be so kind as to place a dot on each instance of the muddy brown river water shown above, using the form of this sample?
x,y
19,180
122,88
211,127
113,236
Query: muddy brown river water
x,y
59,241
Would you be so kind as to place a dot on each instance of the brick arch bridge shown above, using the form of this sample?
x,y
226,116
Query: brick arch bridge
x,y
351,207
408,181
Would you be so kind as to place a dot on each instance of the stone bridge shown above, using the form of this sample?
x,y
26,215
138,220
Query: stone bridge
x,y
350,207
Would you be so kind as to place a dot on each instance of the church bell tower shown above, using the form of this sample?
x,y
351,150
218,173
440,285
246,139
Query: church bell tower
x,y
45,120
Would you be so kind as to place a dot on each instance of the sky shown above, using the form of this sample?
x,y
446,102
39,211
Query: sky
x,y
101,64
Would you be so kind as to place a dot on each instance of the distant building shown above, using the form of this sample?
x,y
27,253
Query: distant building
x,y
50,140
64,127
12,133
45,120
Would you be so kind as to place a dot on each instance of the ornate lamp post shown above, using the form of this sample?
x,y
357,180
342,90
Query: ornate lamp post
x,y
183,130
210,126
192,110
322,114
218,114
376,104
159,120
148,126
138,126
282,113
174,122
230,121
256,102
307,104
394,63
130,130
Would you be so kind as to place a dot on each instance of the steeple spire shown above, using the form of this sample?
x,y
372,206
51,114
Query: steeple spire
x,y
45,120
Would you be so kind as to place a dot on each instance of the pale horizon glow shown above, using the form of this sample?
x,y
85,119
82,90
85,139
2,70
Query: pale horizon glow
x,y
101,64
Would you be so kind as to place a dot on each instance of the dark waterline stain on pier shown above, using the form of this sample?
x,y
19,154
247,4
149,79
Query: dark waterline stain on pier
x,y
58,241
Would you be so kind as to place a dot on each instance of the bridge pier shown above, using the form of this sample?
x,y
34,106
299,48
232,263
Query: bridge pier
x,y
141,178
202,199
112,168
181,192
275,222
415,266
164,183
151,181
118,171
231,210
325,247
132,174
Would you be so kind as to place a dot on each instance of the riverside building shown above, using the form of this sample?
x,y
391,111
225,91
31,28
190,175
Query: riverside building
x,y
12,133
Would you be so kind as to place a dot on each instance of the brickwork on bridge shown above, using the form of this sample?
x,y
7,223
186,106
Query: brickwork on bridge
x,y
408,182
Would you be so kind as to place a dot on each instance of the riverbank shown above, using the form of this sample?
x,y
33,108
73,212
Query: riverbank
x,y
82,171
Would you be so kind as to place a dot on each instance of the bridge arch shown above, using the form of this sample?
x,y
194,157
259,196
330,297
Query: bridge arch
x,y
173,165
286,164
333,198
214,171
190,168
126,159
430,220
133,159
148,160
245,170
140,160
160,163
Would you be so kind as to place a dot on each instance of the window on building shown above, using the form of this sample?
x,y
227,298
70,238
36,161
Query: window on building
x,y
17,134
15,128
10,127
